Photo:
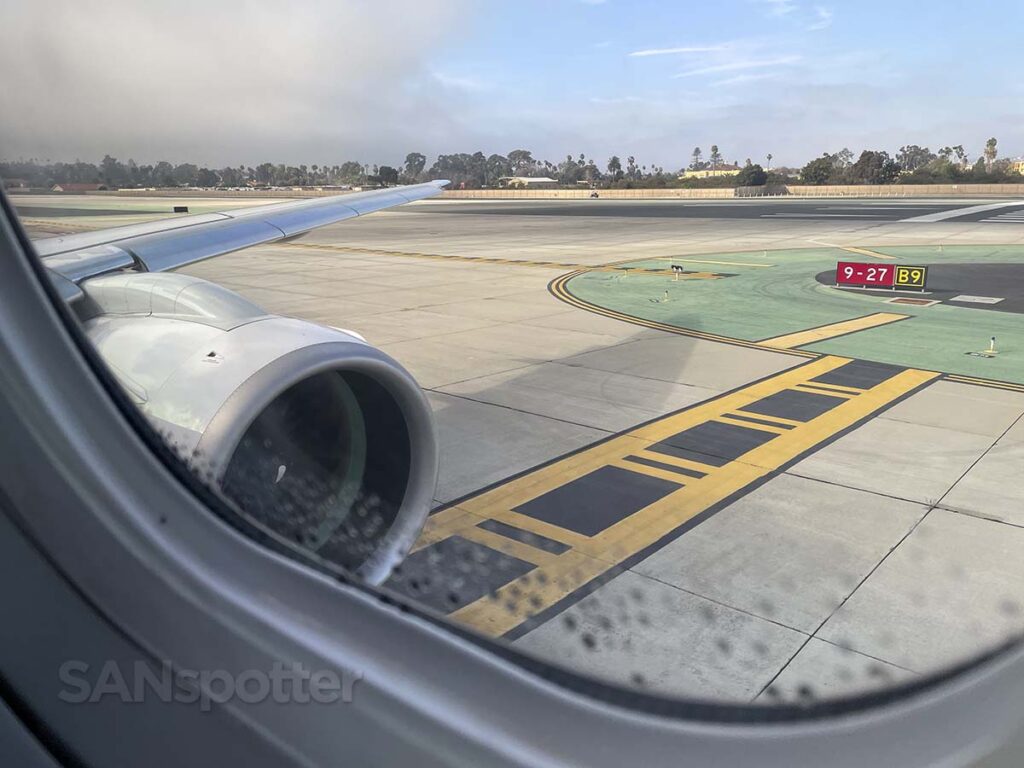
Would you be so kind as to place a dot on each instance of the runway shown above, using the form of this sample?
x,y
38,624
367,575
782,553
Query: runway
x,y
659,501
888,210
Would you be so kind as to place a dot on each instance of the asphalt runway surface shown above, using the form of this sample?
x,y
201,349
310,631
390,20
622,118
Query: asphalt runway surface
x,y
1002,282
887,210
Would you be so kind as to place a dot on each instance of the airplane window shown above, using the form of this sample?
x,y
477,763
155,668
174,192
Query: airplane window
x,y
605,349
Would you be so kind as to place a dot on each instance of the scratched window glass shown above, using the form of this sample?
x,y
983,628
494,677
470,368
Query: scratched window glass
x,y
657,381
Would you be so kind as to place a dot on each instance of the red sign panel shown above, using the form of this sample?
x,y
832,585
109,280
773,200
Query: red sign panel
x,y
852,273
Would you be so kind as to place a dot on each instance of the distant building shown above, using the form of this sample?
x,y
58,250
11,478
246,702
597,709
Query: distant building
x,y
77,187
1017,166
527,182
705,173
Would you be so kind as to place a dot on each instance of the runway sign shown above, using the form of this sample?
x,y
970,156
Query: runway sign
x,y
881,275
911,277
872,275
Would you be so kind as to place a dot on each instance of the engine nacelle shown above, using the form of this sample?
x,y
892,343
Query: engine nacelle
x,y
313,433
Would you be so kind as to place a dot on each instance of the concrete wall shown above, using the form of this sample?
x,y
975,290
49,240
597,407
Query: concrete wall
x,y
583,194
910,190
893,190
793,190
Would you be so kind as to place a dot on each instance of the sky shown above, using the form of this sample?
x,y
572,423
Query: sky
x,y
324,81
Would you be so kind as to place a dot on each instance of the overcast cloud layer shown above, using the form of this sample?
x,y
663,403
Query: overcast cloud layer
x,y
323,81
221,82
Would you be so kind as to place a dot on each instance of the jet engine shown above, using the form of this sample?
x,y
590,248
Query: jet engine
x,y
315,434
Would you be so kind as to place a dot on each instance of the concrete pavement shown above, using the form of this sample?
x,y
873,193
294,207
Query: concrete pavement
x,y
884,549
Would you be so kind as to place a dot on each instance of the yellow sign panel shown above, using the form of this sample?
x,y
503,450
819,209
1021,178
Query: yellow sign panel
x,y
910,277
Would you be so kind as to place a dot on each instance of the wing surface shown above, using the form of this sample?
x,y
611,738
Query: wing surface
x,y
156,246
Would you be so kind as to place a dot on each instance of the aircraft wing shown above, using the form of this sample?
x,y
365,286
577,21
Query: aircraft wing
x,y
212,371
157,246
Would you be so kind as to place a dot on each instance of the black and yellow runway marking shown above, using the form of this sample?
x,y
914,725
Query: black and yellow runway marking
x,y
509,557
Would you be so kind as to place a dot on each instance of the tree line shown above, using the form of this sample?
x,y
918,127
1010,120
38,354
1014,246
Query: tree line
x,y
463,169
911,165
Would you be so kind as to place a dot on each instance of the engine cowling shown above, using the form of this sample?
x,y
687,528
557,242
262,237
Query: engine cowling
x,y
315,434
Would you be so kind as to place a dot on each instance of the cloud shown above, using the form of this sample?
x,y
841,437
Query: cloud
x,y
227,82
680,50
617,100
741,64
462,83
778,7
741,79
322,81
823,18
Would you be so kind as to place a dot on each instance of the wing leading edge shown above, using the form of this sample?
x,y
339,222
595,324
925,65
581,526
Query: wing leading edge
x,y
157,246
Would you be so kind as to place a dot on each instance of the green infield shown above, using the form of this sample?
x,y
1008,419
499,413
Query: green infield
x,y
762,295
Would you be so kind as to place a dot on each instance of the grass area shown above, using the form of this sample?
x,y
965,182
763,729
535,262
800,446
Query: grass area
x,y
760,302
